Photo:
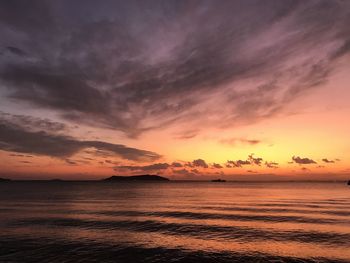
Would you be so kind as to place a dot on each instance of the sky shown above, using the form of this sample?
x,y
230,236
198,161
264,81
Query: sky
x,y
190,90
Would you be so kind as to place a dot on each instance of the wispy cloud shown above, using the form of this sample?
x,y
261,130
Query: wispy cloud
x,y
16,138
151,167
328,161
239,141
271,165
135,71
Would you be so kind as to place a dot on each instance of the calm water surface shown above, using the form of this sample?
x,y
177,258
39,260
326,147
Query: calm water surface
x,y
174,222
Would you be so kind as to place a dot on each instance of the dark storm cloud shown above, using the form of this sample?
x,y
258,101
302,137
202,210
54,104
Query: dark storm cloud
x,y
14,138
299,160
135,65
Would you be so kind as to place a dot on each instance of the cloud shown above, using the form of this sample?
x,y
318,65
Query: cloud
x,y
16,51
199,163
107,161
328,161
14,138
184,135
151,167
238,163
21,155
299,160
33,123
195,171
184,172
176,164
253,160
251,171
121,69
235,141
27,162
217,166
271,164
71,162
163,166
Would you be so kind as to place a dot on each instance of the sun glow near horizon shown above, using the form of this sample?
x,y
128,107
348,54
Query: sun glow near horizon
x,y
119,91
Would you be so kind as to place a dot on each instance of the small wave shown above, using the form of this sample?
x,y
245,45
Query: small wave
x,y
201,231
279,210
18,250
234,217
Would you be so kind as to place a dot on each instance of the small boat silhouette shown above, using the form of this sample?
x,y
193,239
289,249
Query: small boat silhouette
x,y
349,182
218,181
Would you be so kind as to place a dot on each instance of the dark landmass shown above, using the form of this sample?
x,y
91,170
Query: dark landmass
x,y
56,180
218,181
4,180
144,177
349,182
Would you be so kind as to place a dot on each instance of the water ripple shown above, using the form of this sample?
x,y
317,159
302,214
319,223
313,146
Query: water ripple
x,y
18,250
202,231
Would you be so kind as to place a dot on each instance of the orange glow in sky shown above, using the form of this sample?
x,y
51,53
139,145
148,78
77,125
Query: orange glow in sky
x,y
259,95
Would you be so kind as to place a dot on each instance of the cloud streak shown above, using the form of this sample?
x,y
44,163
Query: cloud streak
x,y
145,168
135,71
327,161
14,138
237,141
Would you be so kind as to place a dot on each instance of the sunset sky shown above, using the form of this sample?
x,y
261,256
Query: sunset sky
x,y
192,90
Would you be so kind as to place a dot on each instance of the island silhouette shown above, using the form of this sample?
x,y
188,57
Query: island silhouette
x,y
114,178
143,177
5,180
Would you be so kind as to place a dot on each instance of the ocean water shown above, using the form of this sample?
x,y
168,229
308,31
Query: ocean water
x,y
174,222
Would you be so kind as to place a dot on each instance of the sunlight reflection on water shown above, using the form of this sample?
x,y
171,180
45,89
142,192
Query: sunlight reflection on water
x,y
174,221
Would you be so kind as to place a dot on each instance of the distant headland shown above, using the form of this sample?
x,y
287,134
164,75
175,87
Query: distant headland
x,y
4,180
144,177
114,178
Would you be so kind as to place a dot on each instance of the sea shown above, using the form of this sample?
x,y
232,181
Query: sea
x,y
174,222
